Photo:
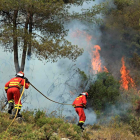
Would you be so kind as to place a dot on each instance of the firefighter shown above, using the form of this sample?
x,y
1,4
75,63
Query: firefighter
x,y
79,104
12,89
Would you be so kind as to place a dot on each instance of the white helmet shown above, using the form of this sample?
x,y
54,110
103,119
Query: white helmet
x,y
84,93
20,74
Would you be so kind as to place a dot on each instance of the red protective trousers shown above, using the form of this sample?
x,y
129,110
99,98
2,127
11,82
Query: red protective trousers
x,y
81,114
14,93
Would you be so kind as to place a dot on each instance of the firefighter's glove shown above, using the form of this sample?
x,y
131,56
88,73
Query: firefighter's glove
x,y
85,107
73,105
26,80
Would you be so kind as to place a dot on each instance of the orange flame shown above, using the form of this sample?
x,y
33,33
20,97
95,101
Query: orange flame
x,y
106,70
126,80
96,61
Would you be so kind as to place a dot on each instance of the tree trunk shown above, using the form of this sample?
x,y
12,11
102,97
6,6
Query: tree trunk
x,y
30,32
15,43
25,43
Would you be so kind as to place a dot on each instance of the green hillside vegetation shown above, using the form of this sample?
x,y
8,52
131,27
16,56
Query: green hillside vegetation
x,y
110,125
117,110
38,126
121,37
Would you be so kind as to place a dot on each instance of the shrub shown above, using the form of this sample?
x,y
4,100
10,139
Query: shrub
x,y
39,114
135,126
41,121
95,127
105,91
86,136
28,115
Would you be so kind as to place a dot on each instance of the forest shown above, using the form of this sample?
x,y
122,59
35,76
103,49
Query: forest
x,y
106,54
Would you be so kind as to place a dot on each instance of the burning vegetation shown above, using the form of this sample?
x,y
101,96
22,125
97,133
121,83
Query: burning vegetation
x,y
96,64
126,80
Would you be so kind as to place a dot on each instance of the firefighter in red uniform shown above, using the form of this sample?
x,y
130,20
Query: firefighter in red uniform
x,y
12,89
80,103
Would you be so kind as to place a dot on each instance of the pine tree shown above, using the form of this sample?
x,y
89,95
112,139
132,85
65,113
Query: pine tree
x,y
36,26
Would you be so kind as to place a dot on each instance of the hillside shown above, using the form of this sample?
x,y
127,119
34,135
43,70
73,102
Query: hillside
x,y
42,127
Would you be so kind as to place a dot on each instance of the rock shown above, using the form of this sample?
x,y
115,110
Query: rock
x,y
19,120
54,134
65,139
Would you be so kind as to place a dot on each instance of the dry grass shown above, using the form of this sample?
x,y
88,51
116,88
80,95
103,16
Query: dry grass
x,y
111,133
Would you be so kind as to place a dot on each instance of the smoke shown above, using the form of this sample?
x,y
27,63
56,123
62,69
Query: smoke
x,y
56,80
119,109
59,81
91,117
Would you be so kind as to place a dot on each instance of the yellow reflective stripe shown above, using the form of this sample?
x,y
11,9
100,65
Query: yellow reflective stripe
x,y
19,85
12,84
11,101
15,79
5,87
81,121
18,105
15,85
78,97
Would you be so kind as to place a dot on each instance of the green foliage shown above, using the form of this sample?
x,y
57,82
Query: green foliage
x,y
95,127
83,75
86,136
3,123
135,61
41,127
89,15
105,91
39,114
28,115
115,122
123,3
38,27
125,20
135,126
77,128
48,18
83,79
41,121
126,117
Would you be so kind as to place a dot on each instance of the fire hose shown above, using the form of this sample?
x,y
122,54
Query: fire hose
x,y
47,97
18,106
40,93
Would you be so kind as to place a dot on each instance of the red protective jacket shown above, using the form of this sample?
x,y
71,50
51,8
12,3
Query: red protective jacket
x,y
80,101
12,89
16,82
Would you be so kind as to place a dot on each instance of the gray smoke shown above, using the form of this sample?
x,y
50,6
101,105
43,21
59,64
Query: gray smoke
x,y
58,81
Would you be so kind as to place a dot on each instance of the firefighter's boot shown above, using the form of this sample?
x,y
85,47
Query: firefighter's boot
x,y
14,113
10,107
81,124
18,115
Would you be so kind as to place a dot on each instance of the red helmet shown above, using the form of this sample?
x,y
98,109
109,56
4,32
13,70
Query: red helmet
x,y
84,93
20,74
